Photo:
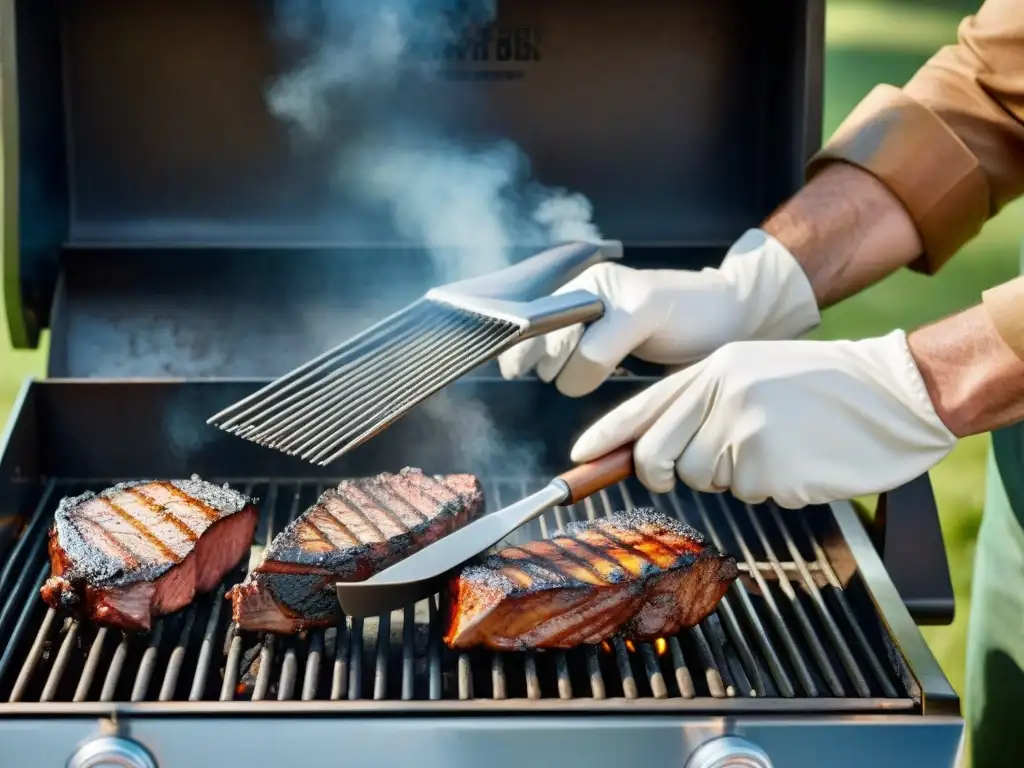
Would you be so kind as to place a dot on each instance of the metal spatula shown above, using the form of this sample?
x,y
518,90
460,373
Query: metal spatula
x,y
425,572
339,400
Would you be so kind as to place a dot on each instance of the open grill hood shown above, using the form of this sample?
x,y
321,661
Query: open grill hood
x,y
139,133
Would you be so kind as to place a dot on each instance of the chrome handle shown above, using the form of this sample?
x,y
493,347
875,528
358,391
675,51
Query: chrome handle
x,y
112,752
560,311
729,752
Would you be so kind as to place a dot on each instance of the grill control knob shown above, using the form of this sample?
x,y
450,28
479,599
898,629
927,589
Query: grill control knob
x,y
112,752
729,752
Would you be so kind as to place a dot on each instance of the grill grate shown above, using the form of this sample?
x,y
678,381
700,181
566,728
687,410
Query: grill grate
x,y
787,632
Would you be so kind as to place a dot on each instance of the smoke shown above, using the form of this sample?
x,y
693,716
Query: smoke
x,y
450,199
468,207
358,89
480,447
358,48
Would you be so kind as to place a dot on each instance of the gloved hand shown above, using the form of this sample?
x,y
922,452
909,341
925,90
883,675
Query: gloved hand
x,y
673,317
801,422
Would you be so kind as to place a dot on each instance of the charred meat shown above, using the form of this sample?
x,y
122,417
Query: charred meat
x,y
352,532
638,574
141,550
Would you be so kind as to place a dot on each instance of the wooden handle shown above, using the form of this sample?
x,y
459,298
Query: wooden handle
x,y
591,477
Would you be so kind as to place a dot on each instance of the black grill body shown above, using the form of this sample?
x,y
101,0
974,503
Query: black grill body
x,y
815,630
181,250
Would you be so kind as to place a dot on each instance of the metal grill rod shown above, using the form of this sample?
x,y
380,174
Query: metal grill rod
x,y
234,655
561,664
91,664
114,671
778,622
817,649
16,579
311,675
838,641
170,681
865,647
286,680
206,649
781,678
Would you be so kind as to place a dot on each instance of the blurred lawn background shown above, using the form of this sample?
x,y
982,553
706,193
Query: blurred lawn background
x,y
872,41
869,41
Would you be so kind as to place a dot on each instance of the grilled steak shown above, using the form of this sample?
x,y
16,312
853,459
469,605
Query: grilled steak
x,y
352,532
639,574
144,549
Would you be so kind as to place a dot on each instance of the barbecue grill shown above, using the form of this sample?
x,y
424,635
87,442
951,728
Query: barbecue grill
x,y
182,251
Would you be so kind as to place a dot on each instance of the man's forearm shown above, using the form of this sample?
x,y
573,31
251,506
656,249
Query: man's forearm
x,y
847,231
976,382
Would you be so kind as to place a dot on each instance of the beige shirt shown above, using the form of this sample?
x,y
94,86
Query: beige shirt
x,y
950,144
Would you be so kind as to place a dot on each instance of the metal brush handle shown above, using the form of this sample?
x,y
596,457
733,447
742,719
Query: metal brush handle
x,y
540,274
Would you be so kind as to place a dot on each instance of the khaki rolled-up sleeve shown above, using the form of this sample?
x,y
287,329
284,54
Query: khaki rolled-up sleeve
x,y
927,166
950,143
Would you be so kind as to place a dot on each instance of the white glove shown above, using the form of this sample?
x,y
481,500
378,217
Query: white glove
x,y
673,317
801,422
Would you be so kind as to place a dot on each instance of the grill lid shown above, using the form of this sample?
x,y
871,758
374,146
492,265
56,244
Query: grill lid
x,y
169,132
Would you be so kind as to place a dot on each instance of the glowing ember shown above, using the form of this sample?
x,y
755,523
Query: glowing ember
x,y
661,646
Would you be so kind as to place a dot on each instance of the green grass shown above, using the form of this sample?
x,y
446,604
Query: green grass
x,y
870,41
14,368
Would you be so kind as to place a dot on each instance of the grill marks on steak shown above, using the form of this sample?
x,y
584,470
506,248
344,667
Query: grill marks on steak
x,y
352,532
639,574
140,550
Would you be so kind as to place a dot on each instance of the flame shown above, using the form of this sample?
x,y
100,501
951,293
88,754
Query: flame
x,y
661,646
630,647
605,646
